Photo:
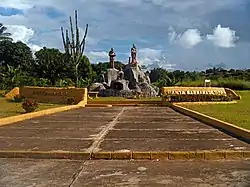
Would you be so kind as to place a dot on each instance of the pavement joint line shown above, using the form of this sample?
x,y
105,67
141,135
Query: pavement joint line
x,y
100,136
46,138
77,174
129,155
122,138
183,131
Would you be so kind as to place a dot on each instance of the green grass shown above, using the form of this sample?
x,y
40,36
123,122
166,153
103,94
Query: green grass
x,y
124,99
237,114
11,108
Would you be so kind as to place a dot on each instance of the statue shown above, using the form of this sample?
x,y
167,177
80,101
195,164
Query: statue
x,y
133,54
120,75
112,58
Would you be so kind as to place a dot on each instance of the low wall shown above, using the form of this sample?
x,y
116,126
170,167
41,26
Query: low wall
x,y
176,90
54,94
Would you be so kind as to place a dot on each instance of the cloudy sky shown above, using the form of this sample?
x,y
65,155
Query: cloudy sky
x,y
182,34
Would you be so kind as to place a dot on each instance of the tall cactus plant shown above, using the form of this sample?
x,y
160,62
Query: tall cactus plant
x,y
74,48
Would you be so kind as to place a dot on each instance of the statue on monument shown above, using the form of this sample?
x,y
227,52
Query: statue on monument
x,y
112,58
133,54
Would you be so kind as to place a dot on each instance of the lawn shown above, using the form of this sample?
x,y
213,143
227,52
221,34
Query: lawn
x,y
124,99
11,109
237,114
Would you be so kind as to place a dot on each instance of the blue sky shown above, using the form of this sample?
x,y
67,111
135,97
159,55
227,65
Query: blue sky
x,y
190,34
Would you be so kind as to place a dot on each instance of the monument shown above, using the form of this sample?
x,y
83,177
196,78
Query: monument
x,y
133,54
112,56
124,82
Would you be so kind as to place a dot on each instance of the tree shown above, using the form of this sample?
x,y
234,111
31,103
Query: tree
x,y
74,49
15,54
103,66
50,64
3,34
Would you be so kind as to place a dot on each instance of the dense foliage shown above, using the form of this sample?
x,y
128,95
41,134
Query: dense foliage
x,y
50,67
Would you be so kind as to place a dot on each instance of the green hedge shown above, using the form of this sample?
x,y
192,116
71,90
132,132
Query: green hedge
x,y
198,98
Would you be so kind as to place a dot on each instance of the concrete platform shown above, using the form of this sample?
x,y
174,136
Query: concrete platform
x,y
27,172
114,129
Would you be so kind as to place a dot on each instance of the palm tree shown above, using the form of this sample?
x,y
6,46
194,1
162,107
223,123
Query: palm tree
x,y
4,35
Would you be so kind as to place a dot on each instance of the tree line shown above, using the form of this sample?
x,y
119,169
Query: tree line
x,y
51,67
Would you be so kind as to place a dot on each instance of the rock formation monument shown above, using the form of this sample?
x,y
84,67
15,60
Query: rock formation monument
x,y
124,83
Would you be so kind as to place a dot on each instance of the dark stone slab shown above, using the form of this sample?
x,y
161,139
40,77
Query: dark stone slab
x,y
164,144
170,135
41,144
159,125
49,133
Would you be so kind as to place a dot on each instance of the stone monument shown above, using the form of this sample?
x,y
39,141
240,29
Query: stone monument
x,y
126,82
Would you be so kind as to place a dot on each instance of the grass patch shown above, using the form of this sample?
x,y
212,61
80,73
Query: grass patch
x,y
237,114
8,108
124,99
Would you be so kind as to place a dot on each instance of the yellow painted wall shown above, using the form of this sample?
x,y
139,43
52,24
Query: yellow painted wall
x,y
14,92
176,90
54,94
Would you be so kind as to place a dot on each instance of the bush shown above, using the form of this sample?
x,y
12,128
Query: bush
x,y
18,98
198,98
70,101
29,105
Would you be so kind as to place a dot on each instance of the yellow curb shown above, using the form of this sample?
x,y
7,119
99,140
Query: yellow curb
x,y
165,155
98,105
80,156
234,155
159,155
141,155
199,155
204,103
22,117
121,155
178,155
7,154
246,154
215,155
238,131
101,155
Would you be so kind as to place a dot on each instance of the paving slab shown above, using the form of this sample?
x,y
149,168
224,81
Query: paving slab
x,y
169,131
42,144
162,144
171,174
68,131
192,125
118,128
40,173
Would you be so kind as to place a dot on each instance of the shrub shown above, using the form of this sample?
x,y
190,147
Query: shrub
x,y
18,98
29,105
198,98
70,101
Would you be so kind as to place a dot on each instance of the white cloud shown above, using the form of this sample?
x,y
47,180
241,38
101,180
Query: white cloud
x,y
96,56
188,39
153,58
223,37
23,34
20,33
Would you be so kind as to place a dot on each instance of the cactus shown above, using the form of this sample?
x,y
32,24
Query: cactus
x,y
74,49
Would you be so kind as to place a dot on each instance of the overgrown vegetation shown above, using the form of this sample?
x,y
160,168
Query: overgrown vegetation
x,y
51,67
